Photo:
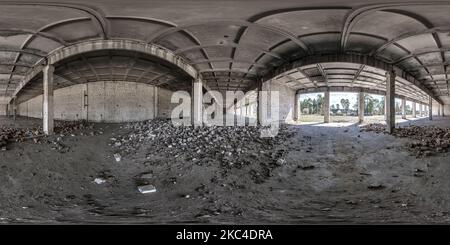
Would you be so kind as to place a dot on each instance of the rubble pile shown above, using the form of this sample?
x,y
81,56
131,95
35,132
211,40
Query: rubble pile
x,y
62,128
67,127
16,134
232,146
427,139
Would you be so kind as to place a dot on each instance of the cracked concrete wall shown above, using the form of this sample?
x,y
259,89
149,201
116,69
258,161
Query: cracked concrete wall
x,y
102,102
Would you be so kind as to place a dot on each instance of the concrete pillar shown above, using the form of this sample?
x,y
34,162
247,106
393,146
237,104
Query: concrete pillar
x,y
390,99
326,107
14,108
47,105
155,103
297,107
414,114
430,109
258,103
385,108
443,110
85,109
420,110
404,108
197,103
361,105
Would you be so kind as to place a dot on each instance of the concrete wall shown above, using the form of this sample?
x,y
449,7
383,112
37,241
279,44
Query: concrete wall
x,y
286,99
103,102
3,109
285,102
446,100
164,106
446,107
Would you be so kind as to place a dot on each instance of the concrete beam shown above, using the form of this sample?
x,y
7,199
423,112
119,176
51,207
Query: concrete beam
x,y
47,105
361,106
366,60
197,103
390,101
326,107
112,44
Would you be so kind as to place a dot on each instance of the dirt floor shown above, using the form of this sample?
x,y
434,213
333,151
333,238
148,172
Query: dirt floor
x,y
332,173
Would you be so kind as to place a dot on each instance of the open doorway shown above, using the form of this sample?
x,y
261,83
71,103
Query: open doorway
x,y
311,107
344,107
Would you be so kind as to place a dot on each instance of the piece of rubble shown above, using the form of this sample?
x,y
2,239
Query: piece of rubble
x,y
118,157
144,189
376,187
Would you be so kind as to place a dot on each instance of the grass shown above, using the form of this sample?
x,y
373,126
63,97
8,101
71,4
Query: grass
x,y
311,118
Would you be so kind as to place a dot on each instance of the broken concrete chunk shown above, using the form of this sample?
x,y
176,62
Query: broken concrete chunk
x,y
144,189
118,157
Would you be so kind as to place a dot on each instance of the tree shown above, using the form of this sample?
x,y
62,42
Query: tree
x,y
345,105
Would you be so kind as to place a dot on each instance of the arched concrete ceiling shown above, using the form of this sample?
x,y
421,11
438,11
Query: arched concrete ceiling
x,y
232,44
110,65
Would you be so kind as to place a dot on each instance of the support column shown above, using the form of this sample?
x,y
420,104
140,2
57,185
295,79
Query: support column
x,y
47,107
385,108
155,103
443,110
420,110
326,107
414,114
258,103
14,108
390,101
361,105
430,109
297,107
197,103
404,108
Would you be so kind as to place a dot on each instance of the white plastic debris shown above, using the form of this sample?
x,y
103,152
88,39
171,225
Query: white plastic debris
x,y
146,189
99,181
118,157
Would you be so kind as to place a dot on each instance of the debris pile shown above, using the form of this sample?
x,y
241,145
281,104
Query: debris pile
x,y
233,147
68,127
8,135
428,140
62,128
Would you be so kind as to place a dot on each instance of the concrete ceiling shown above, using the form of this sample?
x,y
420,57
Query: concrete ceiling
x,y
234,43
110,65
